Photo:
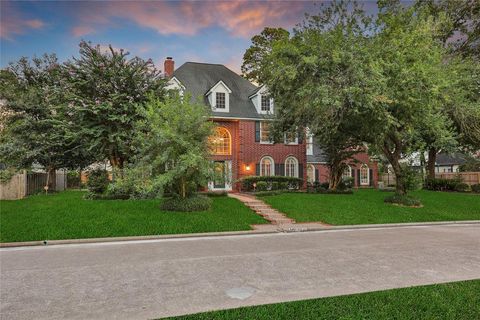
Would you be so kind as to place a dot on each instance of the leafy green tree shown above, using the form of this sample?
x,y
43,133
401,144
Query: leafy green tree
x,y
321,79
172,143
34,129
105,89
414,86
262,43
459,31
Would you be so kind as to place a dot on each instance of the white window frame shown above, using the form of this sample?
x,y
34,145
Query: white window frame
x,y
261,135
364,181
311,179
309,144
295,142
224,100
219,87
295,168
272,166
349,172
266,97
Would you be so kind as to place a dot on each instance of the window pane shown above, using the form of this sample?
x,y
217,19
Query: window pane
x,y
220,142
265,103
364,179
220,100
265,132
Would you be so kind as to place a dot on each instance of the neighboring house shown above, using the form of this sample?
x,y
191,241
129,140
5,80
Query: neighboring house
x,y
361,168
449,162
242,112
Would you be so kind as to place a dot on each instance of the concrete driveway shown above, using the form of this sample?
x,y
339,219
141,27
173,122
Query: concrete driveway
x,y
149,279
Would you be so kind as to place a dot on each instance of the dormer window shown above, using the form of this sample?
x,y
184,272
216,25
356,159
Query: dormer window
x,y
265,105
220,99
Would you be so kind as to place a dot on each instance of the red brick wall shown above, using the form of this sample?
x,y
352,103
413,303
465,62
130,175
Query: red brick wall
x,y
247,152
362,158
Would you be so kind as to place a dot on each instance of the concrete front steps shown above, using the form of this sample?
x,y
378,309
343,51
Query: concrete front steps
x,y
278,220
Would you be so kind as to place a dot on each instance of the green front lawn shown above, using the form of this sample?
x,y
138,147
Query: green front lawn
x,y
68,216
367,207
455,301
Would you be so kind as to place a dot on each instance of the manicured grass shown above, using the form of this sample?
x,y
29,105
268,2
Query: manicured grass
x,y
68,216
367,207
455,301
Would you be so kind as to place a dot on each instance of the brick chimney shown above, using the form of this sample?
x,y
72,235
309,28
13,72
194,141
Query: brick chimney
x,y
168,67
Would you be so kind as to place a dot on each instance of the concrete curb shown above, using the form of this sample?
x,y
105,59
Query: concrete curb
x,y
232,233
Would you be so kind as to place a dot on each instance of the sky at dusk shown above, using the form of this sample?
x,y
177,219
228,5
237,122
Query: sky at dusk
x,y
201,31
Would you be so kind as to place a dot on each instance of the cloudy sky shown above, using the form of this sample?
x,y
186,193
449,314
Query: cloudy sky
x,y
202,31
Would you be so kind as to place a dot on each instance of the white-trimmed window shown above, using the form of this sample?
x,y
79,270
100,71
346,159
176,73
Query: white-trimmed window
x,y
220,100
291,138
265,103
265,132
309,144
221,142
267,166
291,167
310,173
364,175
347,173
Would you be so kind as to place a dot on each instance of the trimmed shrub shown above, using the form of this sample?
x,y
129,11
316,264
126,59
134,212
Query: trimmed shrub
x,y
283,182
316,187
261,186
275,185
476,188
97,181
103,196
462,187
403,200
437,184
214,194
195,203
346,183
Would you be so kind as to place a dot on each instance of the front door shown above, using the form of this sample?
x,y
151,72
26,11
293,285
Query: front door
x,y
222,176
219,175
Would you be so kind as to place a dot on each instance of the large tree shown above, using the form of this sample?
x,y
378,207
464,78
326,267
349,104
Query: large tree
x,y
459,31
35,129
105,89
321,79
173,146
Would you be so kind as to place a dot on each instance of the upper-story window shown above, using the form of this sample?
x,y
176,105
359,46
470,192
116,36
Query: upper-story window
x,y
265,132
309,144
265,105
291,138
221,142
220,100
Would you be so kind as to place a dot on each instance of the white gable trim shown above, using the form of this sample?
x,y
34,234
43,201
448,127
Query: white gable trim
x,y
175,84
216,85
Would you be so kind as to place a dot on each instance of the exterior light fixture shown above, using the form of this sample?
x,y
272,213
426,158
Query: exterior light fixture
x,y
247,167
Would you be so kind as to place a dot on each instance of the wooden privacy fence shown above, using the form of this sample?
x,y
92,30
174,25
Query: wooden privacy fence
x,y
469,178
24,184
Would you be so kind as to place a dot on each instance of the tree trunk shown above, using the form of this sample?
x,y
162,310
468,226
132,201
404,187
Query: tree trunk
x,y
49,184
432,158
399,177
183,191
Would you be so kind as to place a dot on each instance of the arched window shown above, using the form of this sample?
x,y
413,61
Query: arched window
x,y
267,167
291,167
364,175
310,173
221,142
347,173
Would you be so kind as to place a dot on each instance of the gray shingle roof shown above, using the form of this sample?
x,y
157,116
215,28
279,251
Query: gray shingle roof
x,y
318,155
198,78
445,159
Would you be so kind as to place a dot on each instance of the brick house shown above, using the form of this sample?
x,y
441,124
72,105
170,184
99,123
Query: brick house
x,y
242,112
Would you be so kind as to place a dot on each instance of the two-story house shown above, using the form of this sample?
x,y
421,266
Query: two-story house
x,y
242,113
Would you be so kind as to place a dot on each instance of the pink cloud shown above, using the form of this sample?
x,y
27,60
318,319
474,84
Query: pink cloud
x,y
239,17
14,23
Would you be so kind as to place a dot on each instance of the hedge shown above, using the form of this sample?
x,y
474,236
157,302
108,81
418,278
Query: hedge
x,y
268,183
195,203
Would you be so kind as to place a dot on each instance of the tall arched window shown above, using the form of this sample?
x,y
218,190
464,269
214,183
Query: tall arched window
x,y
310,173
221,142
347,173
364,175
267,167
291,167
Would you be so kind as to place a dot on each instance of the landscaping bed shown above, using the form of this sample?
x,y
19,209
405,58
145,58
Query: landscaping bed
x,y
456,301
67,215
367,206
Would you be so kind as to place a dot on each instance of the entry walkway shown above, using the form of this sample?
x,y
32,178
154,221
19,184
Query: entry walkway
x,y
278,220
